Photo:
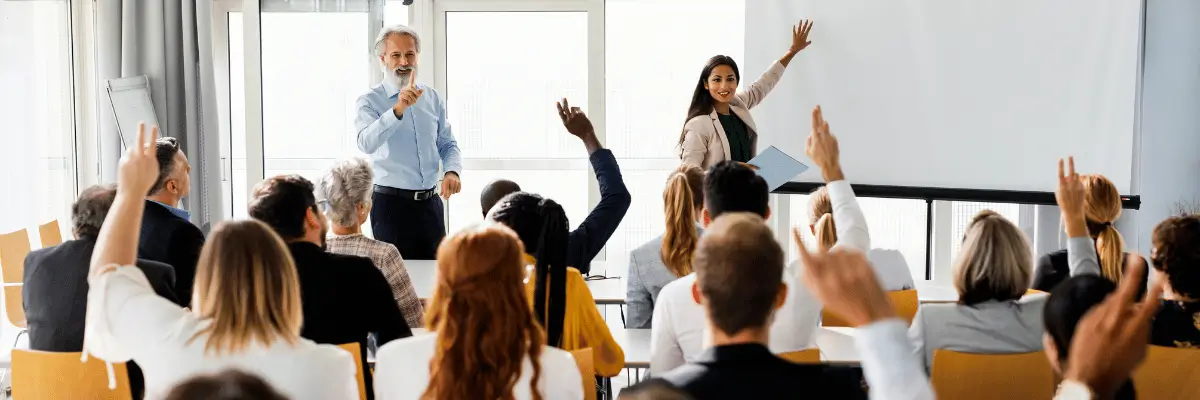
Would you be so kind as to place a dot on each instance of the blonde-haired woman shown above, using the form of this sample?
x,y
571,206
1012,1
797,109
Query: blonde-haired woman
x,y
246,301
1102,208
668,257
348,188
486,343
890,266
992,273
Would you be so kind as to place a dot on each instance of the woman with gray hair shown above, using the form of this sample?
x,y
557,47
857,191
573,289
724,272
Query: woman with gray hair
x,y
347,187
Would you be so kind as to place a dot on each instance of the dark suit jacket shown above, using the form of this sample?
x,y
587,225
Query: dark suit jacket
x,y
1052,268
345,298
55,297
750,371
586,241
167,238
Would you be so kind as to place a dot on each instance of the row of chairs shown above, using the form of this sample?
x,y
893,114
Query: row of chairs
x,y
14,246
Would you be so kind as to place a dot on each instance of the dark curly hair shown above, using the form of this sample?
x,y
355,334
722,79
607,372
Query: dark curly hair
x,y
541,224
1176,243
283,202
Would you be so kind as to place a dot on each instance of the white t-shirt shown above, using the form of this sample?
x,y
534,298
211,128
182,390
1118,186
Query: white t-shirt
x,y
402,371
158,335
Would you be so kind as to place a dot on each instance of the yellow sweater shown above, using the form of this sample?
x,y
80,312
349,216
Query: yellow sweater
x,y
583,326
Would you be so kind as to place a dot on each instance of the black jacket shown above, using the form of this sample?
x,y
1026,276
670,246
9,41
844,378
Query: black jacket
x,y
167,238
750,371
1052,268
345,298
586,240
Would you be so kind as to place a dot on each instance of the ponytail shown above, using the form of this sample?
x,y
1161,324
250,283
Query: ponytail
x,y
1110,247
825,231
1102,206
820,215
551,270
679,241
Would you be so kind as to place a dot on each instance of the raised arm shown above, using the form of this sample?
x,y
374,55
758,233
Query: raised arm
x,y
591,235
374,126
848,219
757,91
1081,251
118,240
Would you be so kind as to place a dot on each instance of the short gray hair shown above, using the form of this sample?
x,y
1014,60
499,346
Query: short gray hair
x,y
346,184
89,211
389,31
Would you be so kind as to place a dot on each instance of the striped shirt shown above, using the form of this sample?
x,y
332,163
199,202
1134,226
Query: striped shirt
x,y
387,259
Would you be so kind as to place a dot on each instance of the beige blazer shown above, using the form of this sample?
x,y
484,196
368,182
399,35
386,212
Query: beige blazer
x,y
704,140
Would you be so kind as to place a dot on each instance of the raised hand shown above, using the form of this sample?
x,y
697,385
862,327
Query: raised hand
x,y
138,169
845,283
408,95
1110,340
822,148
800,36
578,124
1069,195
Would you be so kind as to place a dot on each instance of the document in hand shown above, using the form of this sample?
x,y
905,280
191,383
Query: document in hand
x,y
776,167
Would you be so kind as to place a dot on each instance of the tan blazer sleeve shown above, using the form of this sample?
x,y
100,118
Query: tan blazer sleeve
x,y
759,89
695,142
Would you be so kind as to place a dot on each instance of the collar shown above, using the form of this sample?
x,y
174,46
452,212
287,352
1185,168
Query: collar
x,y
745,352
388,89
179,212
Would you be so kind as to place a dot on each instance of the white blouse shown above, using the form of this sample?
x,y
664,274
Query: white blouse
x,y
402,371
127,318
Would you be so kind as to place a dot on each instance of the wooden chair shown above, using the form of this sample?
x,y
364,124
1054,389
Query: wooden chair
x,y
806,356
50,234
14,306
14,246
1168,373
50,375
992,376
356,351
904,301
587,370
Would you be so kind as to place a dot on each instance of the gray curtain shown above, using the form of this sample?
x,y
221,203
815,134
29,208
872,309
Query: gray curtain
x,y
170,41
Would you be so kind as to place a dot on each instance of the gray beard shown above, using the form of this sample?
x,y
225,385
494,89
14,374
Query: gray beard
x,y
390,75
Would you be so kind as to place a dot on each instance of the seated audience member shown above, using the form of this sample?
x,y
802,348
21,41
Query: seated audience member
x,y
246,314
1176,258
55,285
1068,302
345,297
485,344
992,273
731,186
228,385
1110,340
667,257
889,264
347,187
737,264
589,238
561,299
168,236
653,389
1102,208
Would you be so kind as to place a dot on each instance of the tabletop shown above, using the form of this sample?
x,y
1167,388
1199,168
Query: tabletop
x,y
424,278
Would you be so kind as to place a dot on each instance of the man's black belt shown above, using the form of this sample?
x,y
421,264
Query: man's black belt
x,y
416,195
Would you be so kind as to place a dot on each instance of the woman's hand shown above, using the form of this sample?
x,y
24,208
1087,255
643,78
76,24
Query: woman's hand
x,y
138,170
822,148
800,36
1069,196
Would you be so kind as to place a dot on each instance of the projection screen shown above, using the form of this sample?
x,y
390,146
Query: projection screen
x,y
970,94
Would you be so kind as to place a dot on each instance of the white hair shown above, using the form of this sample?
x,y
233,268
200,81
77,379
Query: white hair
x,y
388,31
346,184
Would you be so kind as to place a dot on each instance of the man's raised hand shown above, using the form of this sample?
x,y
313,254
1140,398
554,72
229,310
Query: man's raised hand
x,y
408,95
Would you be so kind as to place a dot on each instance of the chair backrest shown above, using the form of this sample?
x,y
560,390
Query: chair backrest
x,y
13,248
587,369
905,303
992,376
50,234
1168,373
50,375
13,305
806,356
356,351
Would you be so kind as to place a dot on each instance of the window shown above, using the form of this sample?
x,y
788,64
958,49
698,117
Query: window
x,y
37,110
964,212
654,51
897,224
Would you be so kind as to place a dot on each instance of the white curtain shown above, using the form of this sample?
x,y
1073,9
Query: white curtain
x,y
170,41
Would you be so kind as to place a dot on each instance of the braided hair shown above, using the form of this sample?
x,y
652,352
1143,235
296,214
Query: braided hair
x,y
541,224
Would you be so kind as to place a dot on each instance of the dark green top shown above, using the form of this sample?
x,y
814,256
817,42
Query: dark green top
x,y
739,137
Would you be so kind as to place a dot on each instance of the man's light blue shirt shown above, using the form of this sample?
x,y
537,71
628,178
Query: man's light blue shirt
x,y
405,151
179,212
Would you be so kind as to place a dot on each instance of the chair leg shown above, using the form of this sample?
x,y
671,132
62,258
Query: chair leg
x,y
622,307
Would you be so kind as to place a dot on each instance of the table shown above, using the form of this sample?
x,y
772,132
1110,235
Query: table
x,y
424,278
636,345
936,292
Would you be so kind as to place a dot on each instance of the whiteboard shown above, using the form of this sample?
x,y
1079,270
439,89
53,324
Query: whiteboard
x,y
131,105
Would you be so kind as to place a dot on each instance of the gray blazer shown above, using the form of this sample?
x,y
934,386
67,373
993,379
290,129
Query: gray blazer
x,y
994,327
647,276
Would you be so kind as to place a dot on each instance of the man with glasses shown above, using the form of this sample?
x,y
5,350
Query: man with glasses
x,y
345,298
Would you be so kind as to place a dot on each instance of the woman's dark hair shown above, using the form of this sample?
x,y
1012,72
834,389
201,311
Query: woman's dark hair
x,y
702,101
228,385
541,224
1069,301
1176,243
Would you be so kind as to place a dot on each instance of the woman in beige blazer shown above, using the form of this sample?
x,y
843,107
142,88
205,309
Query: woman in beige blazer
x,y
719,126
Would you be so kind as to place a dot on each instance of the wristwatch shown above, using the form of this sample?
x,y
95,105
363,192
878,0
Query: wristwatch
x,y
1074,390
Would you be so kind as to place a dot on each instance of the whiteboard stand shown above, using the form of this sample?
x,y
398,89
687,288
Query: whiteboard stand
x,y
131,105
